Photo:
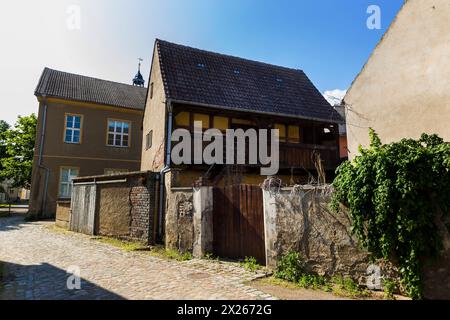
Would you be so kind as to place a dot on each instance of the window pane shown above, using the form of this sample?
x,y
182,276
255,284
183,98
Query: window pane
x,y
111,126
68,137
73,174
69,122
110,139
65,175
77,122
125,141
63,191
118,127
76,136
117,141
126,127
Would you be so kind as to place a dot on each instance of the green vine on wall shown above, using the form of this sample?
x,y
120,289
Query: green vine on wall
x,y
394,194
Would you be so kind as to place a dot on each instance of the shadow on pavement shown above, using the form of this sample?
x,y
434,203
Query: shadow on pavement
x,y
46,282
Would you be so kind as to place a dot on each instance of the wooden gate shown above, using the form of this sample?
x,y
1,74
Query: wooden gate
x,y
82,218
238,222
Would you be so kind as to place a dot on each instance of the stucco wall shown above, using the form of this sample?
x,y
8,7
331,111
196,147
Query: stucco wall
x,y
299,220
154,120
403,89
114,215
92,156
63,214
179,217
125,205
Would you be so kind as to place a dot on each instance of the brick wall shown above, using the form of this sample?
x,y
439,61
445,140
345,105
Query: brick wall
x,y
142,203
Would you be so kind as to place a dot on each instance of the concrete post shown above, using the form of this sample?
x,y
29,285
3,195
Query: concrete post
x,y
203,221
270,230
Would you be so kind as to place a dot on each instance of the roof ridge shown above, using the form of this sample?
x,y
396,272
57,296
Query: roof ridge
x,y
230,56
93,78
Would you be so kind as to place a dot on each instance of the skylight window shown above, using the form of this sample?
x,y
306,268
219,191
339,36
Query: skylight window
x,y
279,80
201,66
237,72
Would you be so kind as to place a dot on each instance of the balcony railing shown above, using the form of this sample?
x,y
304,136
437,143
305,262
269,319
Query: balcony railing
x,y
301,156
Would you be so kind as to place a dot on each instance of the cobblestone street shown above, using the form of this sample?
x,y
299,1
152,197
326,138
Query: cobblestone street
x,y
36,259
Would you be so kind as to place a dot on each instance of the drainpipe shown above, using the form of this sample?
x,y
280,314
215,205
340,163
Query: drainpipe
x,y
165,170
41,150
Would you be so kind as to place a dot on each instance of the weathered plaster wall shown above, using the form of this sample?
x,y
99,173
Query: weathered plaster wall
x,y
179,223
62,214
299,220
114,216
125,205
203,221
403,90
154,120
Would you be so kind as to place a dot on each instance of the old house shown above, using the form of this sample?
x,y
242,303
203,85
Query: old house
x,y
403,90
86,127
224,92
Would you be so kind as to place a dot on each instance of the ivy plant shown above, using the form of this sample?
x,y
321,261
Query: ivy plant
x,y
394,194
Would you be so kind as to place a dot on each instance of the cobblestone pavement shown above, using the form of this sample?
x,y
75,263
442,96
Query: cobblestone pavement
x,y
36,260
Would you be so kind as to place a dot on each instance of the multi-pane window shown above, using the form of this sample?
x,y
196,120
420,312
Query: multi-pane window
x,y
65,183
72,132
118,133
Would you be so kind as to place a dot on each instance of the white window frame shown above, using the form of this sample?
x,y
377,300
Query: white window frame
x,y
118,131
68,183
71,127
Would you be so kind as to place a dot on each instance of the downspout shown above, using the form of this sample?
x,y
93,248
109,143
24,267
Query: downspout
x,y
41,150
165,170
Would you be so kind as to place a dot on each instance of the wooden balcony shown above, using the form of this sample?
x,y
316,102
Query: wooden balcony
x,y
299,156
304,155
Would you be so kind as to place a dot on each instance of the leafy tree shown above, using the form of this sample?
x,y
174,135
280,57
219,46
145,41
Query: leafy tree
x,y
395,193
4,126
19,143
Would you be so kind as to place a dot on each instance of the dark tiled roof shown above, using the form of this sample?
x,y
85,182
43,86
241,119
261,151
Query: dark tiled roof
x,y
217,80
57,84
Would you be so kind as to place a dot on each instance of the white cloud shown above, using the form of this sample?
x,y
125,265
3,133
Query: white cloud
x,y
335,97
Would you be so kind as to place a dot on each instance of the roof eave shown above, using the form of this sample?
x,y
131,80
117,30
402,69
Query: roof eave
x,y
40,96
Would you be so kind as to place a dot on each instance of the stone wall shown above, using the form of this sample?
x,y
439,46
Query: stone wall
x,y
179,219
62,214
298,219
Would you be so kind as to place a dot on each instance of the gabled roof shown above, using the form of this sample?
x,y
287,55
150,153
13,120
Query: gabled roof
x,y
211,79
63,85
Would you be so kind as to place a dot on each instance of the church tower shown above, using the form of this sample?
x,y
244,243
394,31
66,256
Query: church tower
x,y
139,79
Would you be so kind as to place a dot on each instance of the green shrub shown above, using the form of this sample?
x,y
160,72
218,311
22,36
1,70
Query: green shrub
x,y
394,193
250,264
291,267
312,281
389,287
348,287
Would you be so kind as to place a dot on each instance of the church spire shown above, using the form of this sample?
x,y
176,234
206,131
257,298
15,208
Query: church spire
x,y
139,79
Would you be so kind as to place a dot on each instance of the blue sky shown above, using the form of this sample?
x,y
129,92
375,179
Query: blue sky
x,y
328,39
